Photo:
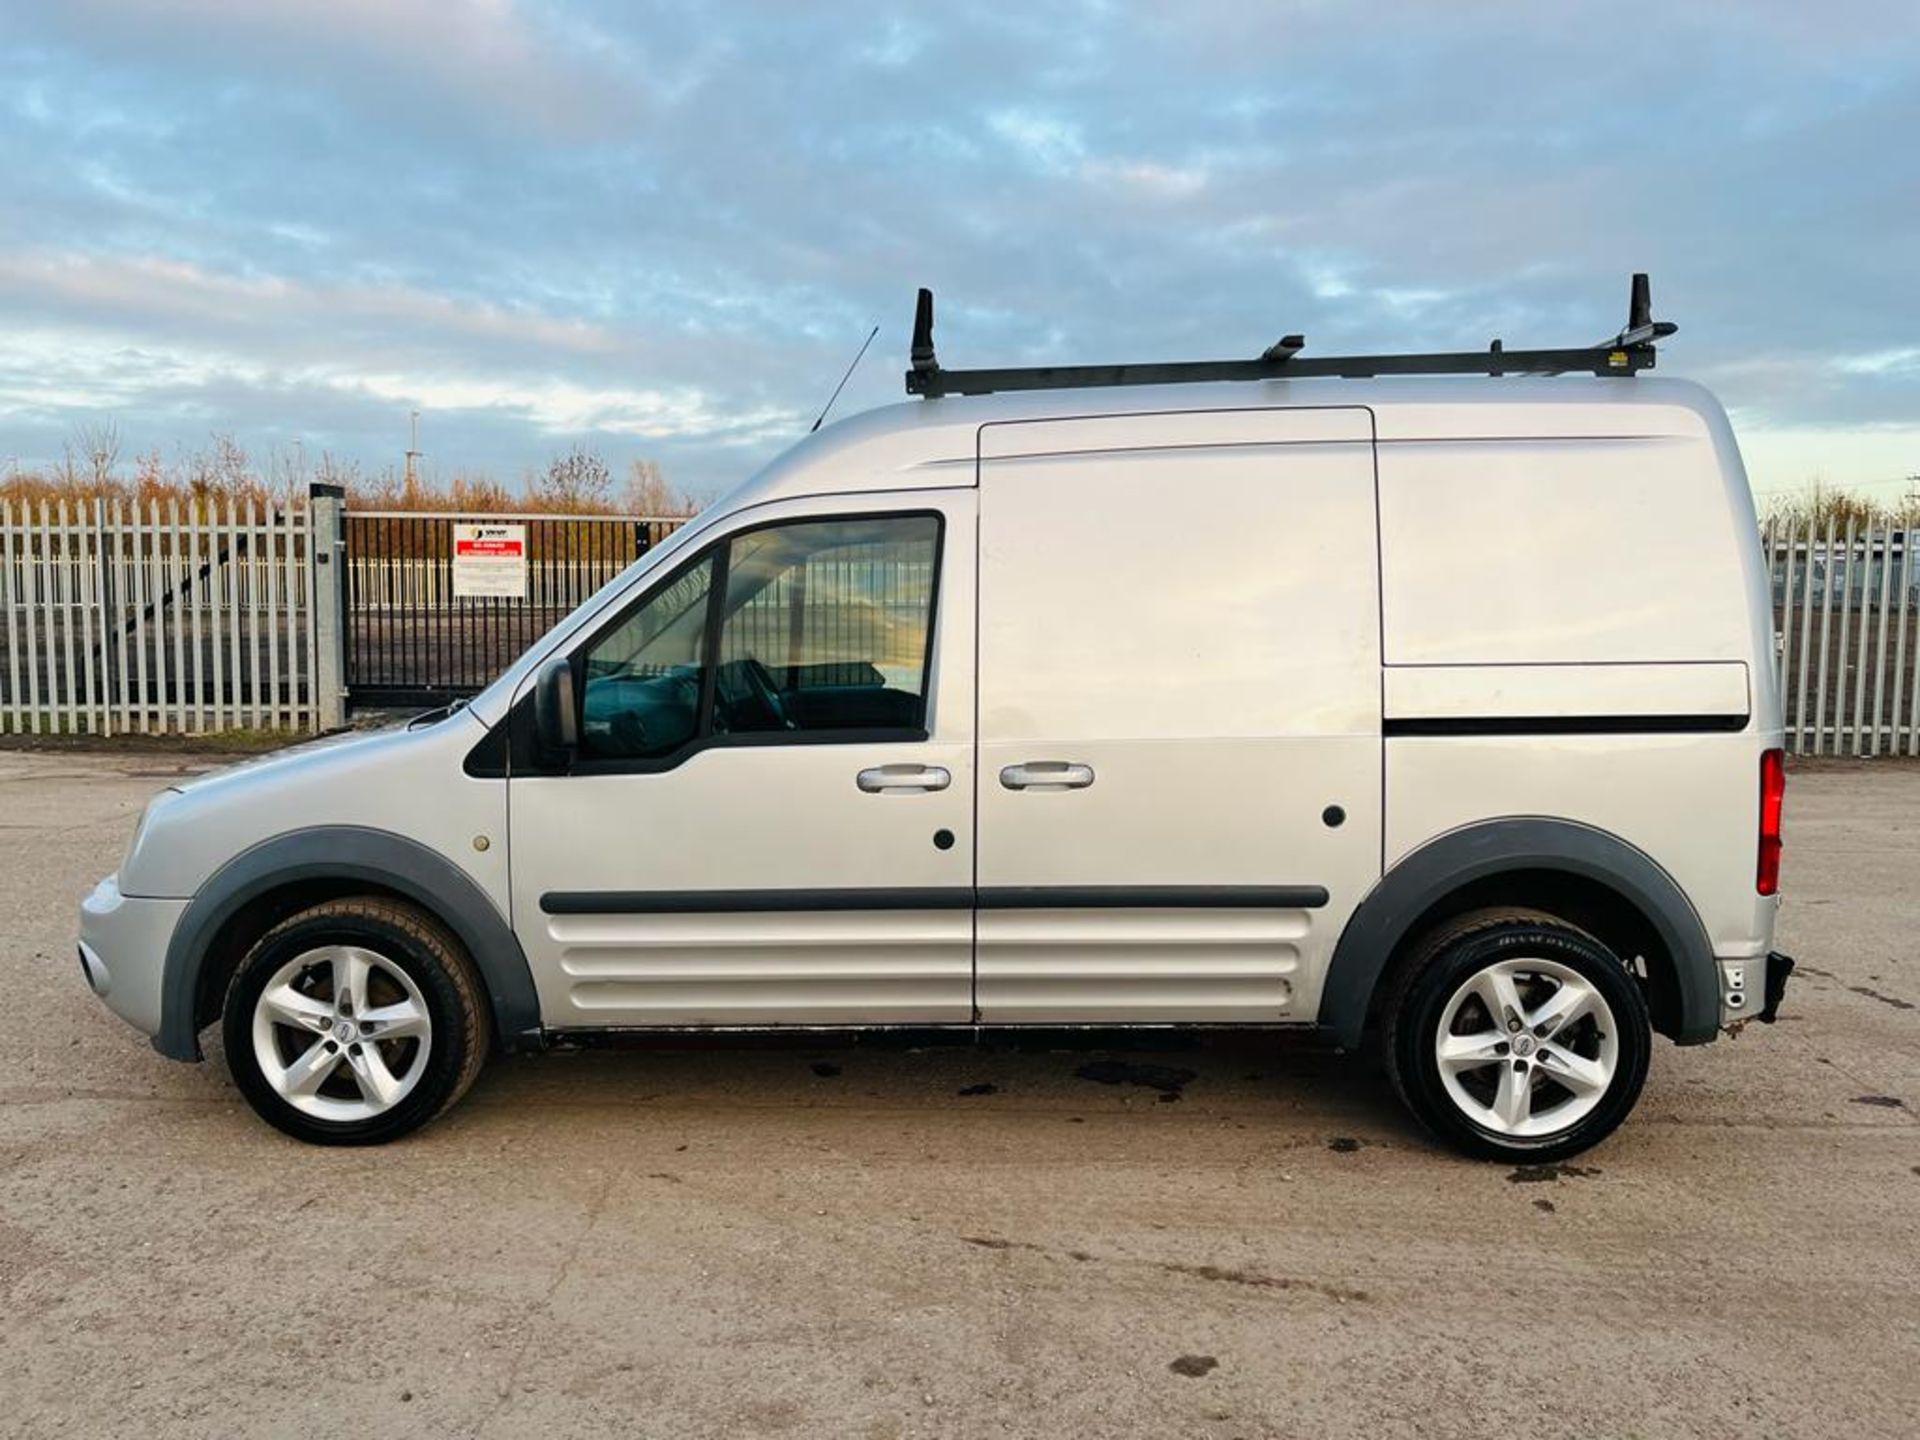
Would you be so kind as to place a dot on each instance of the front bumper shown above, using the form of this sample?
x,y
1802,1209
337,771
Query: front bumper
x,y
123,951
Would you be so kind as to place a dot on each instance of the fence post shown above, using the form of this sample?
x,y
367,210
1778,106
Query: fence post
x,y
326,569
101,723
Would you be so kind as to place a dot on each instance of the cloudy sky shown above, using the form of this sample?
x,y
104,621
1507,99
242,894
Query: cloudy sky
x,y
663,229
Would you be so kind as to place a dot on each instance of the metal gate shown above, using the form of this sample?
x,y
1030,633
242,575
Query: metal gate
x,y
411,640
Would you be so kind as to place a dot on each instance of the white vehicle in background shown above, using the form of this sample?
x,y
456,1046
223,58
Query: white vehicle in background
x,y
1291,692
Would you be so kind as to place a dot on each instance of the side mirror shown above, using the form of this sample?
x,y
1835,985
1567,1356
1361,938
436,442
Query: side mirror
x,y
556,710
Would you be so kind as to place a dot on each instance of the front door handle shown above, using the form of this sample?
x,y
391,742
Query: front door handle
x,y
1047,775
882,778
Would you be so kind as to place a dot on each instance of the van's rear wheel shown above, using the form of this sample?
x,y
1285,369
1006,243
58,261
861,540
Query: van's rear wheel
x,y
1516,1036
355,1022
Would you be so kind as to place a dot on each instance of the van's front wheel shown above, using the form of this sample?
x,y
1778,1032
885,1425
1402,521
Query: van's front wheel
x,y
1517,1036
354,1022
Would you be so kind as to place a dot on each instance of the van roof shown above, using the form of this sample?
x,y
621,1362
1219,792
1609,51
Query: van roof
x,y
924,444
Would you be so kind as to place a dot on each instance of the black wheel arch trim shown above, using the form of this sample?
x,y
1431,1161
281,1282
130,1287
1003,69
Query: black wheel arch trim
x,y
1487,849
384,861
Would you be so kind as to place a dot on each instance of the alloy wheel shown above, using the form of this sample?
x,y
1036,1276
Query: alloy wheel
x,y
1526,1048
342,1033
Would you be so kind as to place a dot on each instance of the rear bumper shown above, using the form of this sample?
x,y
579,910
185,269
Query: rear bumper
x,y
1779,967
123,951
1751,988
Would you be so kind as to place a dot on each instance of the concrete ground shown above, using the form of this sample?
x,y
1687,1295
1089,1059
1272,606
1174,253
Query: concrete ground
x,y
847,1242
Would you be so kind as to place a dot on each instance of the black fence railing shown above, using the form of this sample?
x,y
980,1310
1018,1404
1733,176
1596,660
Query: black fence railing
x,y
414,638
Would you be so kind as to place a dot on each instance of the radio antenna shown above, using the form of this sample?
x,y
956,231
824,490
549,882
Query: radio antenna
x,y
843,380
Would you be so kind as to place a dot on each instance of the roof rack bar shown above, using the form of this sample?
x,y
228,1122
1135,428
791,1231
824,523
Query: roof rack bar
x,y
1626,354
1627,361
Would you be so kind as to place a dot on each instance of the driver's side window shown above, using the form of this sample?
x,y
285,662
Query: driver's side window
x,y
823,626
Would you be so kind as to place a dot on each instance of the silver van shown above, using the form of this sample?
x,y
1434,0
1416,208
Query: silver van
x,y
1336,693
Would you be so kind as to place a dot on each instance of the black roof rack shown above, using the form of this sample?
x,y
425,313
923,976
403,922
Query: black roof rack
x,y
1627,353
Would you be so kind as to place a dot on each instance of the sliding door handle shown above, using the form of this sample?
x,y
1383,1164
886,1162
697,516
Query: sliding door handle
x,y
1047,775
882,778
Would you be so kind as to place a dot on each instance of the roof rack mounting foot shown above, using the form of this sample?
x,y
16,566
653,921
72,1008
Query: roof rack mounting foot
x,y
1642,328
924,360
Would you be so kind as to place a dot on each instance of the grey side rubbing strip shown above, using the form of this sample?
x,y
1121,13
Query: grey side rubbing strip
x,y
378,859
1562,724
949,897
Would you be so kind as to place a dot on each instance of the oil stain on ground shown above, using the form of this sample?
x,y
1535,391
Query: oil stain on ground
x,y
1259,1281
1891,1102
1193,1366
1164,1078
1539,1174
1216,1274
1872,994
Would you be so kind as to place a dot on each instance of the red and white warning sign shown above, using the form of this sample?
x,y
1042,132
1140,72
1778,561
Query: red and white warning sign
x,y
489,561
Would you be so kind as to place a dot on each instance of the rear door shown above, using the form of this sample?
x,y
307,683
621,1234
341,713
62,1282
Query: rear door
x,y
1179,690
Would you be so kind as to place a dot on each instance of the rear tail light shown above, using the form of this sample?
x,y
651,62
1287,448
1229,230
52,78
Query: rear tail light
x,y
1773,788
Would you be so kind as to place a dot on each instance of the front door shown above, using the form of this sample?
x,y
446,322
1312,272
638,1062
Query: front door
x,y
769,818
1179,775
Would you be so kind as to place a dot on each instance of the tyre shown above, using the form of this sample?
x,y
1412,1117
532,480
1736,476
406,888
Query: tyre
x,y
355,1022
1515,1036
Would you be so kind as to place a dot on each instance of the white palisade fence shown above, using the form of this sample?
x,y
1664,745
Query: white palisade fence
x,y
157,618
1846,618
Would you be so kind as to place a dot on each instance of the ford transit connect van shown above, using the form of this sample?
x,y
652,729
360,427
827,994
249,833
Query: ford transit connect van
x,y
1439,710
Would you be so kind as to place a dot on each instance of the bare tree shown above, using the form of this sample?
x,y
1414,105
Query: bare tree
x,y
98,442
1820,505
221,470
286,473
231,466
650,493
151,481
478,493
332,470
577,482
98,461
